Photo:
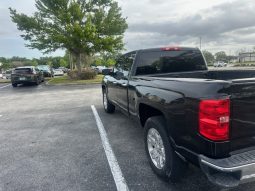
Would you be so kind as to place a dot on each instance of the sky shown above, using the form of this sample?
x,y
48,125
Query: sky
x,y
227,25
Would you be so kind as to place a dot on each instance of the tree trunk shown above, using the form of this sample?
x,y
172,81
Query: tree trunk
x,y
70,61
78,62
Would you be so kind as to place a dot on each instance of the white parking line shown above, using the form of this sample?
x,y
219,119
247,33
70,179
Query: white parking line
x,y
47,83
5,86
112,161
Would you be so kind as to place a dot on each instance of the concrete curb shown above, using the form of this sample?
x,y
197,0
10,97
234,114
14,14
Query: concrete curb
x,y
72,84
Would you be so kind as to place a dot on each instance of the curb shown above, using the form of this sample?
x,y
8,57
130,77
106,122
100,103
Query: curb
x,y
47,83
71,84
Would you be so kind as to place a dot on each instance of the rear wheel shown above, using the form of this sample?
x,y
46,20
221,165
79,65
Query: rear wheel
x,y
108,107
14,85
163,160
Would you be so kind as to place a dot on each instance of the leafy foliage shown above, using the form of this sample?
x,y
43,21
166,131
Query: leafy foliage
x,y
85,74
13,62
221,56
106,59
4,66
80,26
208,57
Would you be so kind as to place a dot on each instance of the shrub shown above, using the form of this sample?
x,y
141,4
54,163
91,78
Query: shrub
x,y
86,74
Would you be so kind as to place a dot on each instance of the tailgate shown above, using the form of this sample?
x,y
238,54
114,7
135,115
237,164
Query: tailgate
x,y
242,114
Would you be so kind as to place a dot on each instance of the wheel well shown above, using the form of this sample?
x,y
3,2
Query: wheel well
x,y
146,111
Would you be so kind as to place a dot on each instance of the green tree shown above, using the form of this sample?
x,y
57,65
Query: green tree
x,y
34,62
208,57
110,62
63,63
42,60
99,61
106,59
221,56
83,27
5,66
3,60
68,59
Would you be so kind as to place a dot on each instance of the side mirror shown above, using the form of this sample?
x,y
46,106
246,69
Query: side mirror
x,y
107,72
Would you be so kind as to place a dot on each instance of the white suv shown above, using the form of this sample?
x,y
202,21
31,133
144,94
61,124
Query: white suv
x,y
220,64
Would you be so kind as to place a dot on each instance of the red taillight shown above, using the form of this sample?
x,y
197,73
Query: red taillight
x,y
171,49
214,116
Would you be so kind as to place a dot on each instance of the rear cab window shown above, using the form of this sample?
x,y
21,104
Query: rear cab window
x,y
169,61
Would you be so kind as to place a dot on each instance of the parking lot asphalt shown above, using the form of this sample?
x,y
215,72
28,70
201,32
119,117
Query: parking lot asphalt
x,y
49,140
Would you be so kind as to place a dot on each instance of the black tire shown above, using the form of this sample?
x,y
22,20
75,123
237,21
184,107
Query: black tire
x,y
14,85
173,168
108,107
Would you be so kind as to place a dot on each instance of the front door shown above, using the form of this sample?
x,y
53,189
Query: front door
x,y
126,63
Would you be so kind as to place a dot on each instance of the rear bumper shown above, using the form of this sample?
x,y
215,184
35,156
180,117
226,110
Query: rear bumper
x,y
229,172
27,80
23,82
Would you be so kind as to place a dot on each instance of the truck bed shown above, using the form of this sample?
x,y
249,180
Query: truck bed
x,y
227,75
241,88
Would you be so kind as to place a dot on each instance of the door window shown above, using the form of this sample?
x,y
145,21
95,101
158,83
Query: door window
x,y
123,65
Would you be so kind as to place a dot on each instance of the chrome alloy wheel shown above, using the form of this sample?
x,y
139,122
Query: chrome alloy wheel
x,y
156,148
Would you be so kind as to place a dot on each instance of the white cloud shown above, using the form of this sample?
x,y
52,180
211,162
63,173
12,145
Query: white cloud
x,y
11,44
222,24
214,21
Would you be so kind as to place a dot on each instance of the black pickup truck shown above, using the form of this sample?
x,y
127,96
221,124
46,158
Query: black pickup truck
x,y
189,113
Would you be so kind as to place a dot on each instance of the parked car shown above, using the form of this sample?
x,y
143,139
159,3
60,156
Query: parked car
x,y
64,69
99,69
220,64
47,70
1,76
58,72
108,70
7,74
189,114
25,75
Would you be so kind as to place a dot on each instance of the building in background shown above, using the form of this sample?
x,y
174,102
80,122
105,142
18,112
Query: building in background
x,y
247,57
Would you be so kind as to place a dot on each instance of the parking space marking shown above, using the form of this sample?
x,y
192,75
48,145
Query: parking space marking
x,y
47,83
5,86
112,161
